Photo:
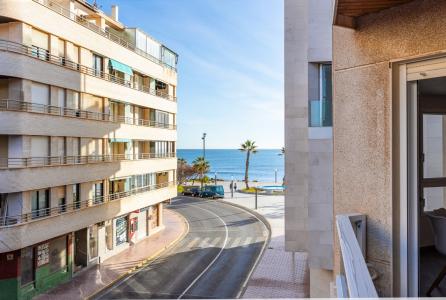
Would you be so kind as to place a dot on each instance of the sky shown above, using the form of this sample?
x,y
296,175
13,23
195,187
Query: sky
x,y
230,71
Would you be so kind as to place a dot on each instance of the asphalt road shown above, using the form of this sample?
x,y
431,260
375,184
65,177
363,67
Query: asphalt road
x,y
212,261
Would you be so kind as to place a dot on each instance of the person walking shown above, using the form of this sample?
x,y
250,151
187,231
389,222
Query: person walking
x,y
235,186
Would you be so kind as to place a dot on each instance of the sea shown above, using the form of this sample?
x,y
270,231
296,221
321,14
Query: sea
x,y
228,163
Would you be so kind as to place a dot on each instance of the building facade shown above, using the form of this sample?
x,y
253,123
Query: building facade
x,y
389,139
308,137
87,140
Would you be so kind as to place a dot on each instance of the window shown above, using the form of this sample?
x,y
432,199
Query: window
x,y
321,109
121,231
58,254
62,205
40,44
98,64
27,265
76,196
93,241
98,193
40,204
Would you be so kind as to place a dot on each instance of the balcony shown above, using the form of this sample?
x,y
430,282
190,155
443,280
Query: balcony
x,y
81,20
355,280
23,230
21,106
44,55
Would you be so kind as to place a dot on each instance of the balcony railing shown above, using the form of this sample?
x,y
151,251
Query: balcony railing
x,y
78,205
44,55
15,105
29,162
355,282
82,20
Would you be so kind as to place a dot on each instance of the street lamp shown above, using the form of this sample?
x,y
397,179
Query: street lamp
x,y
275,175
204,144
215,178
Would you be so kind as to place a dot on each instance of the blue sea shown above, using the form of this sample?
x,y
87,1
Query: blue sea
x,y
231,162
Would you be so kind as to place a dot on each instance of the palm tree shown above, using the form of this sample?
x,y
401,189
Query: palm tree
x,y
248,147
201,165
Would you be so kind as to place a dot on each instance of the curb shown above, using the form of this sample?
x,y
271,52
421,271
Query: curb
x,y
256,263
145,261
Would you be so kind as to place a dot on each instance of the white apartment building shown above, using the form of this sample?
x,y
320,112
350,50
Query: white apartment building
x,y
308,137
87,140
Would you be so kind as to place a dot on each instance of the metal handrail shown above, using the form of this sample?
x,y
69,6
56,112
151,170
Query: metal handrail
x,y
16,105
47,161
44,55
9,221
82,20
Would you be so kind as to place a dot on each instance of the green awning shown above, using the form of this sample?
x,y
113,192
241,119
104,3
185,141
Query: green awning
x,y
116,65
120,140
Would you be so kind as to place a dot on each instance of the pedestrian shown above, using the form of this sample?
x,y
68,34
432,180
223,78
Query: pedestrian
x,y
235,186
230,186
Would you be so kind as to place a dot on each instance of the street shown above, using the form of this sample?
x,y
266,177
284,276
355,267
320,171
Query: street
x,y
212,261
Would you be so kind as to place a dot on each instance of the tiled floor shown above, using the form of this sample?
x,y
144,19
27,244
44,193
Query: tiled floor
x,y
96,278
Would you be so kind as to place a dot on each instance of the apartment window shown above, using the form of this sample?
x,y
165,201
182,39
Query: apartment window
x,y
40,203
40,44
98,64
98,193
76,196
321,108
27,265
62,205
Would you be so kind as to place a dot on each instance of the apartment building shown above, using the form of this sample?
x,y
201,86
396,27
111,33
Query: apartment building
x,y
87,140
308,137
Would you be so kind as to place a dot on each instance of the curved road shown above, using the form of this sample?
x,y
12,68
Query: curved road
x,y
212,261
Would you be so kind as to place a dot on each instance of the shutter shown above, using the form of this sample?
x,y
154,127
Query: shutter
x,y
40,93
426,69
40,39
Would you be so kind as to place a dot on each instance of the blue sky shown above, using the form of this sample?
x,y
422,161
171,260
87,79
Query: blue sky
x,y
230,66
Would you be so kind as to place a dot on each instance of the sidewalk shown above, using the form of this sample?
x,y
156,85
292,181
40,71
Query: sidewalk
x,y
275,275
98,277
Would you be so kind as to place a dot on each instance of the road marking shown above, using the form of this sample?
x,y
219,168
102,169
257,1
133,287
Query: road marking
x,y
193,242
214,243
204,243
247,242
215,258
236,243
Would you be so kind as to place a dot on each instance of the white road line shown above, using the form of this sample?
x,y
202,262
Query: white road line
x,y
204,243
247,242
236,243
215,242
193,242
215,258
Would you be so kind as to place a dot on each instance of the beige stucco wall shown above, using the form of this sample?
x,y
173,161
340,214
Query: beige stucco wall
x,y
363,116
20,236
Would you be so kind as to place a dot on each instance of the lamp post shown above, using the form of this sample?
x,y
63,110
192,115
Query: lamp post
x,y
275,175
204,144
232,186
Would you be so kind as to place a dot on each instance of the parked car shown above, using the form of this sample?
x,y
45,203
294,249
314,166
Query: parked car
x,y
213,191
193,191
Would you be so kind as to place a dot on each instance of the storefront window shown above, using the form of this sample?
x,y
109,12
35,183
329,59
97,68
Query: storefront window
x,y
27,265
58,254
93,241
121,231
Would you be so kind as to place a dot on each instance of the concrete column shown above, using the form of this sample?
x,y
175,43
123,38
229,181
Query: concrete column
x,y
161,214
69,194
54,45
320,280
26,201
54,95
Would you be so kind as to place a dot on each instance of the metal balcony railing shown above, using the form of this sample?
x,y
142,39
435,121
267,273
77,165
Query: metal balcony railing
x,y
82,20
355,280
44,55
30,162
16,105
7,221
